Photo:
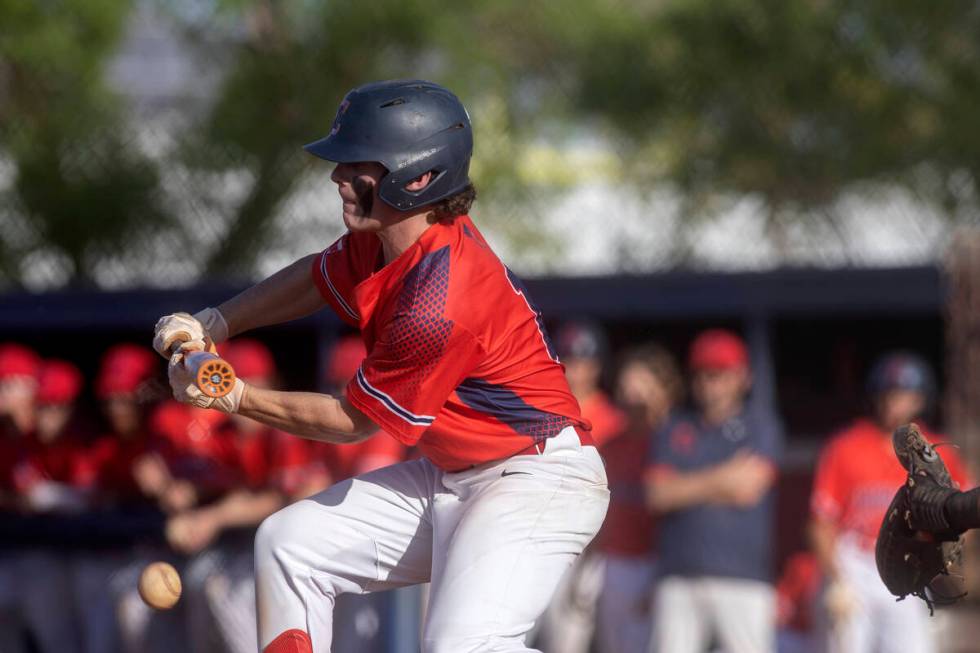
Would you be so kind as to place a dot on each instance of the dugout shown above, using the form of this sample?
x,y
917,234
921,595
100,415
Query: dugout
x,y
813,334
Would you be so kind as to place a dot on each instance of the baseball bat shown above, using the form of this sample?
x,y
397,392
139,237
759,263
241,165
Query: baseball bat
x,y
213,375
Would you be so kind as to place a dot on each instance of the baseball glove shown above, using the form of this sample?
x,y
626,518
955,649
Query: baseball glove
x,y
916,546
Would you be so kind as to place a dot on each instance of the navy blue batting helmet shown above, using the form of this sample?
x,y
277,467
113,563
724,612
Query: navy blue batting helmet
x,y
410,127
901,370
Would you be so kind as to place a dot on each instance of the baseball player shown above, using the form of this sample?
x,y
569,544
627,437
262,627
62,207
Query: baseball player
x,y
855,480
49,480
710,477
34,582
584,348
48,476
649,384
509,489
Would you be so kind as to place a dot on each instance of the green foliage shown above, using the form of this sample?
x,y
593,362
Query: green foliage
x,y
81,188
290,72
791,101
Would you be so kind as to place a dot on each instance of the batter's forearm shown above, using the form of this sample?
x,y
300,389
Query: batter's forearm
x,y
287,295
307,414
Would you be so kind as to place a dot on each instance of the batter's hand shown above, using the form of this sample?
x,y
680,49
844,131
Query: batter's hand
x,y
184,386
202,329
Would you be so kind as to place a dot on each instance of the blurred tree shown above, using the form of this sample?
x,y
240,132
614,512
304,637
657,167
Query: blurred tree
x,y
794,101
80,189
296,60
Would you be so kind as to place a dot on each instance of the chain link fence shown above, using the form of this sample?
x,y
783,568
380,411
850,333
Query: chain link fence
x,y
174,157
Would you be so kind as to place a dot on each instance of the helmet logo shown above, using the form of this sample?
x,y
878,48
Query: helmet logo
x,y
418,156
340,113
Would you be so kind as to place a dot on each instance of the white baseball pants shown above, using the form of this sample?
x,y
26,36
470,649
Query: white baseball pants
x,y
494,541
740,613
880,624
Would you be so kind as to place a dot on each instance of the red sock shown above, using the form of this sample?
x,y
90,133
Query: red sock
x,y
291,641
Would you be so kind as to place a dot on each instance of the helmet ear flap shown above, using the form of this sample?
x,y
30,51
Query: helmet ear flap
x,y
393,192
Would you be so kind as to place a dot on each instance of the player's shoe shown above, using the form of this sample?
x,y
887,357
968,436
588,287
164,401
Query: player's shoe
x,y
929,483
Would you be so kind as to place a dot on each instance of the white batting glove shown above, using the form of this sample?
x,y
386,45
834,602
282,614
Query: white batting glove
x,y
202,328
186,391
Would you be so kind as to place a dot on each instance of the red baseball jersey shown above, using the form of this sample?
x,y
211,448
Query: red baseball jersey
x,y
12,452
109,464
458,358
857,476
629,528
261,459
59,461
607,421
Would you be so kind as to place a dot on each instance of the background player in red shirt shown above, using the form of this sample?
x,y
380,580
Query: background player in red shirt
x,y
855,480
509,490
19,367
53,476
33,581
583,349
649,385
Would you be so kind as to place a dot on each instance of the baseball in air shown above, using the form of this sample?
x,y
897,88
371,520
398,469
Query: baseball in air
x,y
159,585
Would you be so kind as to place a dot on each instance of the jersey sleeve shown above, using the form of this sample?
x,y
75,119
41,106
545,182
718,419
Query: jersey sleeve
x,y
412,369
335,276
829,486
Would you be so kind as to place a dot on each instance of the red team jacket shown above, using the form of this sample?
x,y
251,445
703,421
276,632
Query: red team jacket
x,y
458,359
858,475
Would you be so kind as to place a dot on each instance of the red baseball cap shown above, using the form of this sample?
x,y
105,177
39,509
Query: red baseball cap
x,y
718,349
249,358
124,369
345,358
59,382
18,360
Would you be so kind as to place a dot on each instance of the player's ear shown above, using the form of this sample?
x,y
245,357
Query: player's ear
x,y
419,182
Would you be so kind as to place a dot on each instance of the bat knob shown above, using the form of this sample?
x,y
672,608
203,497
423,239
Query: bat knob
x,y
213,375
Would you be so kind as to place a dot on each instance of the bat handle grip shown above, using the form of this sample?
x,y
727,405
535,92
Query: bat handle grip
x,y
176,340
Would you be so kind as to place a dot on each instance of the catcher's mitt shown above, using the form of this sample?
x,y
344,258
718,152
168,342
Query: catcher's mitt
x,y
916,546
